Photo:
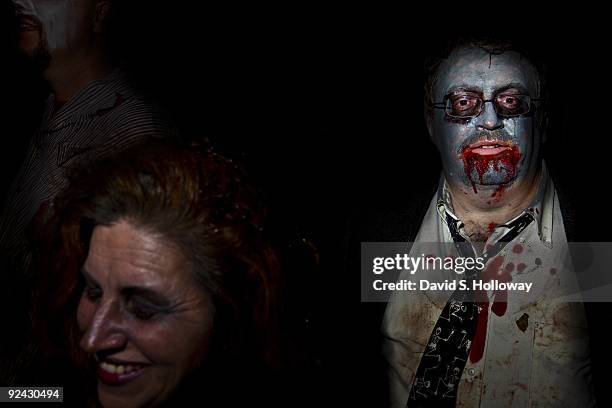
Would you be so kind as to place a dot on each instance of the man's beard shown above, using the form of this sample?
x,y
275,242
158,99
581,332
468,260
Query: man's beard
x,y
493,169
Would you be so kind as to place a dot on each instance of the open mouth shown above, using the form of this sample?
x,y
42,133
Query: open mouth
x,y
489,147
27,23
115,372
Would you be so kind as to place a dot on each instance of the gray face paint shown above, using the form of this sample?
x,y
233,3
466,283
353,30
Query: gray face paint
x,y
55,17
459,141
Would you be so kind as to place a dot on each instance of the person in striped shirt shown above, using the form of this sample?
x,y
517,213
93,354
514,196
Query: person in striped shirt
x,y
93,110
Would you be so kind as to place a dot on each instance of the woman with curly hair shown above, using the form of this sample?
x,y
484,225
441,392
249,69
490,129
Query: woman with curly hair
x,y
157,282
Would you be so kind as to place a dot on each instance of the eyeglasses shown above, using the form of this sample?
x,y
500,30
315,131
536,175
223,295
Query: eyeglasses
x,y
469,105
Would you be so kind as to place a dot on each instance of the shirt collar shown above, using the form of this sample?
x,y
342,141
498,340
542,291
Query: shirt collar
x,y
95,96
540,209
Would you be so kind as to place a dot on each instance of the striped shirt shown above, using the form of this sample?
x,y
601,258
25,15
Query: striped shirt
x,y
105,117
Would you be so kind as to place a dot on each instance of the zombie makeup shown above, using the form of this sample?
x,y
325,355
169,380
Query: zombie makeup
x,y
484,129
54,22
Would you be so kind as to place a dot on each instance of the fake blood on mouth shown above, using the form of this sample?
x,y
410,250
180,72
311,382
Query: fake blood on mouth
x,y
507,159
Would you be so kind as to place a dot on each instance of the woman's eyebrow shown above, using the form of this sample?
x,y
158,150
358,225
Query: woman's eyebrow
x,y
149,294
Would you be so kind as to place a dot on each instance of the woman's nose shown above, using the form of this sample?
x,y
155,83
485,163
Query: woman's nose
x,y
104,331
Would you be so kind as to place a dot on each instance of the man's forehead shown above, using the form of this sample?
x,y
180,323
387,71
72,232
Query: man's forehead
x,y
477,69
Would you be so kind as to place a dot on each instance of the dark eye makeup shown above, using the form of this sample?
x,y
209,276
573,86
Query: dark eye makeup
x,y
142,303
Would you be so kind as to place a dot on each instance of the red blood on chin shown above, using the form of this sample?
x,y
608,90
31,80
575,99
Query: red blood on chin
x,y
506,157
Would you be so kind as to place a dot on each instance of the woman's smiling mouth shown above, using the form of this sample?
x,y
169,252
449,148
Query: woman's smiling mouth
x,y
115,373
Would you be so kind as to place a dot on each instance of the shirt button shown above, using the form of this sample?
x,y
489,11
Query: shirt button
x,y
471,371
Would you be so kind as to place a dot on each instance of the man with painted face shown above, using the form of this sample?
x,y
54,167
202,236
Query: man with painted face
x,y
496,348
93,111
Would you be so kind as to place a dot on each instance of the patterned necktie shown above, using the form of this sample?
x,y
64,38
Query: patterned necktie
x,y
445,356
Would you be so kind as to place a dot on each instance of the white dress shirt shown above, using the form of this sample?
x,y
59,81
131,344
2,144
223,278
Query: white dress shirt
x,y
536,353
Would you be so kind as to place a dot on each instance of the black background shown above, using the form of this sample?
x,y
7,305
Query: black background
x,y
325,106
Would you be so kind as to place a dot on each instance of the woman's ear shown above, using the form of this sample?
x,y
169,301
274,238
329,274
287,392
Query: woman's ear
x,y
101,15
